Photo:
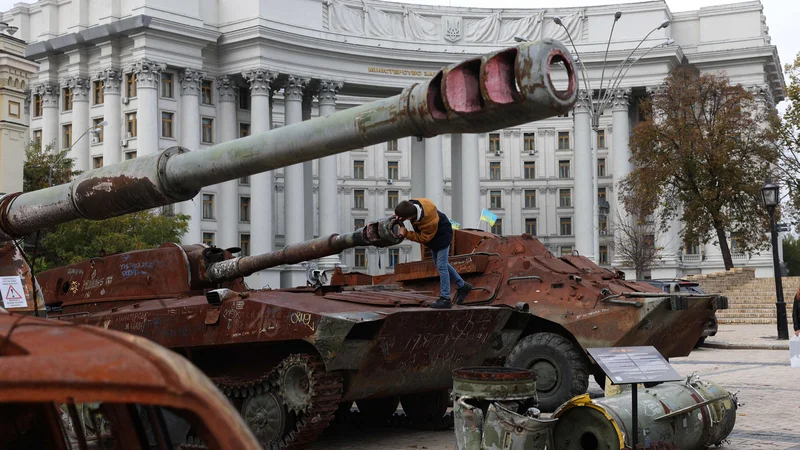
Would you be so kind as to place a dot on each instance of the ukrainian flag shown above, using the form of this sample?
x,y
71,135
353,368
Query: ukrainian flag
x,y
488,216
455,224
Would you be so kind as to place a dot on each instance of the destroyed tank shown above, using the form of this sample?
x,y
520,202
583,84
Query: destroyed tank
x,y
572,304
288,358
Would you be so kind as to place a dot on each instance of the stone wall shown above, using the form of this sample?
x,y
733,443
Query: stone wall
x,y
718,282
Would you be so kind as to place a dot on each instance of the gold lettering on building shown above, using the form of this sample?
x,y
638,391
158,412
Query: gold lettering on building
x,y
406,72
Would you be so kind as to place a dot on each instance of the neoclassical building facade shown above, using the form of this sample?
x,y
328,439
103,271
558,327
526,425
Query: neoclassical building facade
x,y
198,72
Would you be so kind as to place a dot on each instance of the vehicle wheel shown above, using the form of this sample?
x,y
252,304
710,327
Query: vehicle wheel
x,y
378,408
561,366
266,417
700,342
426,406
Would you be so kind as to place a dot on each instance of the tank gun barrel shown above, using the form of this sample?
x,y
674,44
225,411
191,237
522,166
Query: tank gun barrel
x,y
382,233
484,93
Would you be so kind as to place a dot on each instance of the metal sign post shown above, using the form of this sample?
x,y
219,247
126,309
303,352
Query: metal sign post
x,y
634,365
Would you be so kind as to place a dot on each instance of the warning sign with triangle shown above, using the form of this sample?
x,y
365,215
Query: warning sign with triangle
x,y
12,293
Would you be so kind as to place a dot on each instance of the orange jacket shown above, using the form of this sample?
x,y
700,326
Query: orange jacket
x,y
425,229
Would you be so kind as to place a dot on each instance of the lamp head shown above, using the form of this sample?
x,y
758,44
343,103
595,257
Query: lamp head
x,y
668,42
103,123
557,20
520,39
617,15
769,195
664,25
11,30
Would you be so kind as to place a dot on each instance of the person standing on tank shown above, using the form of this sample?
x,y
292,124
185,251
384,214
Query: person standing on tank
x,y
432,228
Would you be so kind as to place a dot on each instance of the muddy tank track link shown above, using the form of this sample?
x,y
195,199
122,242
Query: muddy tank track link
x,y
325,391
356,419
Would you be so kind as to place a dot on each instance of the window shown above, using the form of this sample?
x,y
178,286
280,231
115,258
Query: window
x,y
737,244
601,139
130,85
66,136
208,239
244,181
391,146
67,99
97,162
37,137
168,210
394,257
207,136
565,226
529,140
244,209
358,199
208,206
166,125
358,170
166,85
244,130
244,244
130,124
529,169
244,98
130,155
602,225
497,228
530,198
601,167
393,197
393,170
530,226
494,142
99,133
565,198
566,250
649,241
692,249
495,200
563,140
601,195
97,92
563,169
206,94
494,170
37,105
360,258
359,223
603,254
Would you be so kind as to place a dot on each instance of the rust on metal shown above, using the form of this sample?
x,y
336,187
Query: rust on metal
x,y
484,373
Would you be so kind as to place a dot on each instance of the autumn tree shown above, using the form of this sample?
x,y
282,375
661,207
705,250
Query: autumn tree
x,y
636,238
702,153
789,141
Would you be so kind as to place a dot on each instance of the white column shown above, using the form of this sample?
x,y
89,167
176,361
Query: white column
x,y
228,234
80,122
49,93
112,132
294,187
621,153
308,175
470,181
328,176
148,75
190,139
262,186
434,176
582,193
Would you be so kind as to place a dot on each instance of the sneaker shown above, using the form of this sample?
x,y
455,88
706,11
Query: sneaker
x,y
442,303
462,293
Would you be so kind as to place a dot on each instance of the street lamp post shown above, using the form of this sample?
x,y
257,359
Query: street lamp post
x,y
596,109
93,129
769,194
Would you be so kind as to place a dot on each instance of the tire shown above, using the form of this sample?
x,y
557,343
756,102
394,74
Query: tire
x,y
378,408
562,367
425,407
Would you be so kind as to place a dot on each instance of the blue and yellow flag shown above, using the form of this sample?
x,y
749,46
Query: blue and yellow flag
x,y
488,216
455,224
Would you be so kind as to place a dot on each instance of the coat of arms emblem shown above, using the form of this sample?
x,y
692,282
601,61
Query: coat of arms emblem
x,y
452,28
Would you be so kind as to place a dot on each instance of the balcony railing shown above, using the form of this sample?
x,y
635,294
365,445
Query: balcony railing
x,y
696,258
740,256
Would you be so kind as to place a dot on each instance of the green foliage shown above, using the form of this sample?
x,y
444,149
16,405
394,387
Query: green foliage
x,y
791,255
83,239
44,168
702,154
789,140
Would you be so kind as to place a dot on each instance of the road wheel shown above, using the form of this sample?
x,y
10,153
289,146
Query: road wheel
x,y
561,366
425,407
378,408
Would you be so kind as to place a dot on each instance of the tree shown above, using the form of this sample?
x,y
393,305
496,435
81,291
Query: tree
x,y
791,255
789,140
702,153
78,240
636,238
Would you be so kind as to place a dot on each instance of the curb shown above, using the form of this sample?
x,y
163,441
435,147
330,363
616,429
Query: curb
x,y
729,346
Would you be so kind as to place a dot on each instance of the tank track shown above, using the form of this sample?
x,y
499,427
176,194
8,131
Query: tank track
x,y
327,390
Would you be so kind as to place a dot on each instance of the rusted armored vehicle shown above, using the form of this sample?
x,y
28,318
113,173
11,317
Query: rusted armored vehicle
x,y
288,358
572,303
65,386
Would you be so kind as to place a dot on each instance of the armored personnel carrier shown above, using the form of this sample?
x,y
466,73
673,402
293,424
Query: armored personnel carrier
x,y
572,304
288,358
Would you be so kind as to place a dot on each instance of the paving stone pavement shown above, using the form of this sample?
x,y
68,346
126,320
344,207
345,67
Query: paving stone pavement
x,y
767,387
746,336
